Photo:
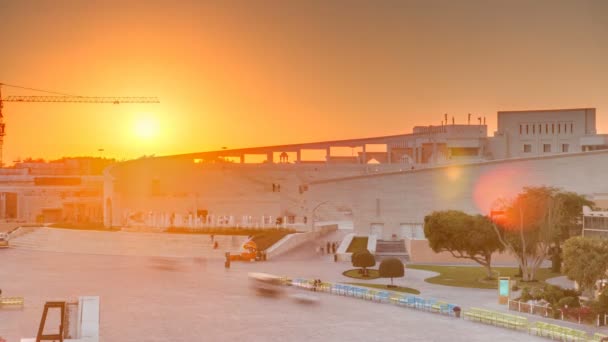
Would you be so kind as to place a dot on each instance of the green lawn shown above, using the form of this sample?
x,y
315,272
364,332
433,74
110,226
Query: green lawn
x,y
265,240
385,287
359,243
474,277
354,273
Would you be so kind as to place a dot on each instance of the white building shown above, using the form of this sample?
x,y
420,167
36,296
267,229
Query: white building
x,y
389,183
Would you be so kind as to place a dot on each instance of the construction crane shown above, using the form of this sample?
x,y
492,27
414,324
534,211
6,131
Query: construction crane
x,y
60,97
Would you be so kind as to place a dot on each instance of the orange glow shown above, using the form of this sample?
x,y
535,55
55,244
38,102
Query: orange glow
x,y
502,182
146,127
241,75
454,173
452,182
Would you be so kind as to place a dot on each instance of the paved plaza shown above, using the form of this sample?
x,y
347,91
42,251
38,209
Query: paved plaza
x,y
194,298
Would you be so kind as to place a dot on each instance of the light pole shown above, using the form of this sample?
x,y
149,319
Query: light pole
x,y
312,219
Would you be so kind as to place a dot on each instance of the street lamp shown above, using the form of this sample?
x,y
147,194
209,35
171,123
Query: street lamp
x,y
312,219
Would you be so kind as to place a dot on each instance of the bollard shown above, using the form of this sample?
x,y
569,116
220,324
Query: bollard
x,y
227,263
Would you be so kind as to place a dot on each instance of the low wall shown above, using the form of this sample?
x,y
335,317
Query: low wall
x,y
22,230
420,252
371,243
8,227
294,240
341,254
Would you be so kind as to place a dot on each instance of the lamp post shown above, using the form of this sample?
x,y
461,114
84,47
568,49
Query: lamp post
x,y
312,219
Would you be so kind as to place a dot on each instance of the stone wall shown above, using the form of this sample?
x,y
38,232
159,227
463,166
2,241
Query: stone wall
x,y
421,252
390,199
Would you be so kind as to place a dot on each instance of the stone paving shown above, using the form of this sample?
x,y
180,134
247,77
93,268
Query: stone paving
x,y
194,298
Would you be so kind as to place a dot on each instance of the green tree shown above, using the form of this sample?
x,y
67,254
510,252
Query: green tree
x,y
585,261
363,259
463,235
391,268
535,223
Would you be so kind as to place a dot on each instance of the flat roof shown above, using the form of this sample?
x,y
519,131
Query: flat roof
x,y
545,110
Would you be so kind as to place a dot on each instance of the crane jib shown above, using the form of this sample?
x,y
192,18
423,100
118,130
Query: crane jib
x,y
81,99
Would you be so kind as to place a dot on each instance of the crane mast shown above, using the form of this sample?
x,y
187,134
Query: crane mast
x,y
63,98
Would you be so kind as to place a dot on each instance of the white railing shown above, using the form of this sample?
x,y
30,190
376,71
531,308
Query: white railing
x,y
546,310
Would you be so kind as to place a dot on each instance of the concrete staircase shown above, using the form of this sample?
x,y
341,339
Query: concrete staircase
x,y
391,249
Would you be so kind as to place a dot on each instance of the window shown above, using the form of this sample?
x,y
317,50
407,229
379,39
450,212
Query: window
x,y
533,129
559,128
520,129
565,147
553,128
546,128
527,131
540,128
571,128
546,148
527,148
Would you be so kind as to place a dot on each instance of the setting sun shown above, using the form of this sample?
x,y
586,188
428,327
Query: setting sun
x,y
146,127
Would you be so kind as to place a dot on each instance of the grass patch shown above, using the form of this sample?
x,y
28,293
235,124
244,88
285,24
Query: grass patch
x,y
359,243
474,277
385,287
267,239
83,226
354,273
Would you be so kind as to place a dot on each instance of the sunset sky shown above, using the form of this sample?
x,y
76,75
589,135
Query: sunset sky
x,y
249,73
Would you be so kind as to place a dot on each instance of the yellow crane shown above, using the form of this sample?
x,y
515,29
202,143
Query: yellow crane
x,y
60,97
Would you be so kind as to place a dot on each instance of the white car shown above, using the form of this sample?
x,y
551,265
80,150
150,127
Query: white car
x,y
266,284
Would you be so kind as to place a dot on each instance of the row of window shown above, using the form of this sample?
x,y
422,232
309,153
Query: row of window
x,y
546,148
538,128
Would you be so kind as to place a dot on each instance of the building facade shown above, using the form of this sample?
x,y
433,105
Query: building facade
x,y
383,185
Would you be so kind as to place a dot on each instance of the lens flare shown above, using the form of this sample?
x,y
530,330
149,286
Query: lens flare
x,y
500,182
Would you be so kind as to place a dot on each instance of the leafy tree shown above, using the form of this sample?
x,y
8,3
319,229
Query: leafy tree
x,y
363,259
391,268
463,235
569,224
536,222
585,261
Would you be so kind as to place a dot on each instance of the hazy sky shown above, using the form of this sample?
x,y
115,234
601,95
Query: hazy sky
x,y
247,73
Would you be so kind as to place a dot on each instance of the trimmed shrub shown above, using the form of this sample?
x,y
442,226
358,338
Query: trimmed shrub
x,y
391,268
363,259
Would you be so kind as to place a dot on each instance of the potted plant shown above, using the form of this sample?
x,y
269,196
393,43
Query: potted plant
x,y
457,310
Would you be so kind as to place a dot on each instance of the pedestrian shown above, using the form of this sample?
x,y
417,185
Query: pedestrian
x,y
328,247
333,248
215,245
